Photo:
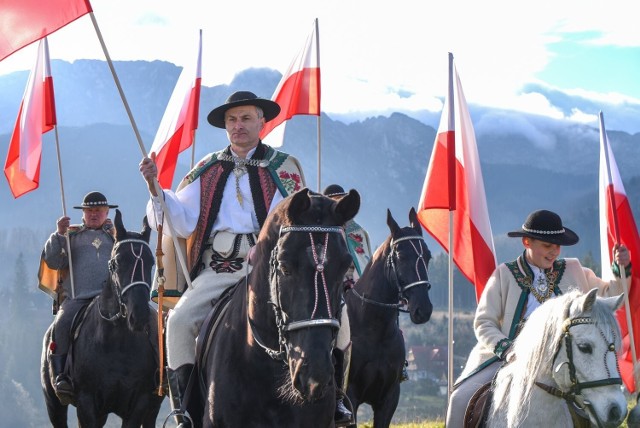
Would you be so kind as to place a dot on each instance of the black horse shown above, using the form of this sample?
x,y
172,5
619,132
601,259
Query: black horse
x,y
269,362
395,277
115,359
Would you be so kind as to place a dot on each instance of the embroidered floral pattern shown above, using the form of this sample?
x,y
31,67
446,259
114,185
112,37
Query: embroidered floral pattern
x,y
357,240
222,265
290,181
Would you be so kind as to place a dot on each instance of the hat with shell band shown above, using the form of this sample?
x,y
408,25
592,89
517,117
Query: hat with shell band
x,y
546,226
94,200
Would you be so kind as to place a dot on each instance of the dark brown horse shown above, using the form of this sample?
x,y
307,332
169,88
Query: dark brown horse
x,y
270,355
115,359
395,278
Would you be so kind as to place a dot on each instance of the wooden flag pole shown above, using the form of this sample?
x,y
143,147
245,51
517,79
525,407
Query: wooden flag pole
x,y
158,189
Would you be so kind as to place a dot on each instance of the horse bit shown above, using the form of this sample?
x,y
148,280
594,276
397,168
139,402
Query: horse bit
x,y
122,312
392,265
281,323
577,409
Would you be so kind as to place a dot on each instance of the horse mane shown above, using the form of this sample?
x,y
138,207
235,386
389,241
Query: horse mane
x,y
536,346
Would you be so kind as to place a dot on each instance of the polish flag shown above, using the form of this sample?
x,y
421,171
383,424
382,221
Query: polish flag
x,y
37,115
178,126
25,21
299,89
454,183
618,225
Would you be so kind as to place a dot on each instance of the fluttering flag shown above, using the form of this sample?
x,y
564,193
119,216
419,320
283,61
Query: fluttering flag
x,y
299,89
25,21
454,184
617,224
179,122
36,116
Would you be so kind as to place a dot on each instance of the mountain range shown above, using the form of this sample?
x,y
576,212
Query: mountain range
x,y
528,162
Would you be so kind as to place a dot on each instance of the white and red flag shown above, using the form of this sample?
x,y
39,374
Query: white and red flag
x,y
37,115
22,22
180,120
454,184
617,225
299,89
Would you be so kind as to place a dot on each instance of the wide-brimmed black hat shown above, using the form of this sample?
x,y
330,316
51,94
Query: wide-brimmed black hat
x,y
243,98
93,200
546,226
334,191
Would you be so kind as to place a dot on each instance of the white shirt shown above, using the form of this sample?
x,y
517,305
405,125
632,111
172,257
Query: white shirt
x,y
184,208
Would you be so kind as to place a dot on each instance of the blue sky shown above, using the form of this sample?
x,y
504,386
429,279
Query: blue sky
x,y
378,56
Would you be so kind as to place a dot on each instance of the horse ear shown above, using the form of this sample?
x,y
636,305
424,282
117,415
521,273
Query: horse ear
x,y
348,206
392,223
146,229
589,300
413,221
121,232
614,302
300,202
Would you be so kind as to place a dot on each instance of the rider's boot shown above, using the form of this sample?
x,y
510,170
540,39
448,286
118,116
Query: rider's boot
x,y
178,380
343,416
61,382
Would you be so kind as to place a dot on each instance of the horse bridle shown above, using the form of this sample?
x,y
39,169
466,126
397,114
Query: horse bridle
x,y
117,287
578,405
393,277
282,324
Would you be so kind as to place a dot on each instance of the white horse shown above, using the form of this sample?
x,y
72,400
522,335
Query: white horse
x,y
564,370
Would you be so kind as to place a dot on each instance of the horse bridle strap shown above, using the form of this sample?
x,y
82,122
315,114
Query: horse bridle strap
x,y
420,259
297,325
577,409
122,312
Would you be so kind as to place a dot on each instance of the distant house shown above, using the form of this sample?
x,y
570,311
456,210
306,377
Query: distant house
x,y
427,362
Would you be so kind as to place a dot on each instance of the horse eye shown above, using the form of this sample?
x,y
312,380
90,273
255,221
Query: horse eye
x,y
585,348
284,269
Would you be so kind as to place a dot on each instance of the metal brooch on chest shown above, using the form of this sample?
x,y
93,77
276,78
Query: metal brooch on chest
x,y
96,243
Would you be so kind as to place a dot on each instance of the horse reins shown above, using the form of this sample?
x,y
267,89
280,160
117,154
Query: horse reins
x,y
281,322
120,291
393,277
579,408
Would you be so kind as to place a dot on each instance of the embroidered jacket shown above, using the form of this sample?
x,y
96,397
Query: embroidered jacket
x,y
283,174
503,301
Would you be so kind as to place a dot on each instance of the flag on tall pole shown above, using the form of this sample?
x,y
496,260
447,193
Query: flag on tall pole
x,y
25,21
617,225
299,89
177,129
454,184
37,115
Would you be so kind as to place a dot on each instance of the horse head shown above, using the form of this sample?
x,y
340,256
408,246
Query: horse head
x,y
130,273
308,259
566,355
586,363
407,267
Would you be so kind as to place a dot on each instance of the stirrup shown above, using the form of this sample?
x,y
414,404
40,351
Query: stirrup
x,y
343,416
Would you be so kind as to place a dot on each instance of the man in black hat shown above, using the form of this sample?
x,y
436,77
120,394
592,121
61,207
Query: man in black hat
x,y
90,245
516,289
218,208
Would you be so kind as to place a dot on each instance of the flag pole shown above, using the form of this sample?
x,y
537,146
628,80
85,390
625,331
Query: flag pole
x,y
616,232
157,187
320,112
451,158
64,213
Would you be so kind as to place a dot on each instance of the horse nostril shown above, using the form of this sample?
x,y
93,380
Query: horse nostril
x,y
615,414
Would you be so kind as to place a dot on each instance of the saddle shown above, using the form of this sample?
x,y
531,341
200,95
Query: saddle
x,y
478,408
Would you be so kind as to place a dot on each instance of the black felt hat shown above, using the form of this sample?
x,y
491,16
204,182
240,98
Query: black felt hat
x,y
334,190
546,226
243,98
94,199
